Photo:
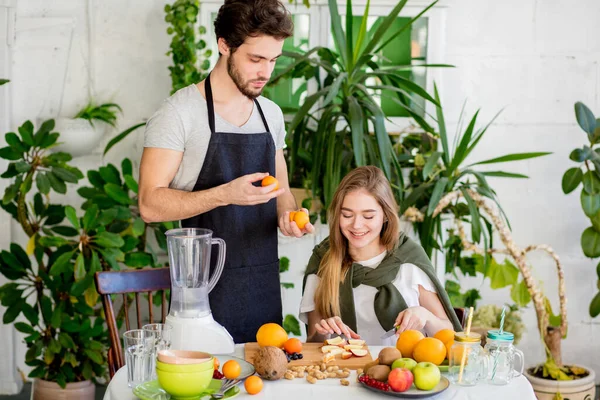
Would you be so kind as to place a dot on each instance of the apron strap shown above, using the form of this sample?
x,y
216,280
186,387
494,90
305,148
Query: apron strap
x,y
211,108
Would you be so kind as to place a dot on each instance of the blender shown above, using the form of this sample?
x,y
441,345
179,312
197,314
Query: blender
x,y
194,327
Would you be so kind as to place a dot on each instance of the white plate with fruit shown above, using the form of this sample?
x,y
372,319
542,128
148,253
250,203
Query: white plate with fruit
x,y
394,375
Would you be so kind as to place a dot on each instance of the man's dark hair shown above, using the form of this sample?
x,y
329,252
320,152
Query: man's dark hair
x,y
239,19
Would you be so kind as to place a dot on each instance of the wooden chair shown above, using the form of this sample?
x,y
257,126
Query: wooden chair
x,y
126,282
462,315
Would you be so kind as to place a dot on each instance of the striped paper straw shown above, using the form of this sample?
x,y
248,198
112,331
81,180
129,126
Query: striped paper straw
x,y
497,351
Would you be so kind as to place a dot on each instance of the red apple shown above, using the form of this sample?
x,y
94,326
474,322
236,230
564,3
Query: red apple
x,y
400,379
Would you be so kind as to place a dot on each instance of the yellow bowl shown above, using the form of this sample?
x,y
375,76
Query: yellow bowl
x,y
184,385
186,368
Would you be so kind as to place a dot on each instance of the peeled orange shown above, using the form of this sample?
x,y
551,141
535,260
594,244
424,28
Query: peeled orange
x,y
301,219
269,180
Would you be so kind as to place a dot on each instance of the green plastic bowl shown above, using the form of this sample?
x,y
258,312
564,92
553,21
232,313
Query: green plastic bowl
x,y
183,368
184,385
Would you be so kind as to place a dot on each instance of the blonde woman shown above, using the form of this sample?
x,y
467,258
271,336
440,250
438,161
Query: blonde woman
x,y
368,277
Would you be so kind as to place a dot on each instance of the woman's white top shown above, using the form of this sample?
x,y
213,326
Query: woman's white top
x,y
408,280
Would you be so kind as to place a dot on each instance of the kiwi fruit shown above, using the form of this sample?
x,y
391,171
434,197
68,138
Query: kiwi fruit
x,y
388,355
379,372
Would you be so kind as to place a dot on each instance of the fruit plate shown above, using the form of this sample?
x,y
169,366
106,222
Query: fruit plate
x,y
247,368
413,393
152,391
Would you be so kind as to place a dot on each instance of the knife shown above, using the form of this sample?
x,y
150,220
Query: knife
x,y
390,333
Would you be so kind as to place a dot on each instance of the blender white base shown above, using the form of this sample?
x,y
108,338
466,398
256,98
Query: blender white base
x,y
200,334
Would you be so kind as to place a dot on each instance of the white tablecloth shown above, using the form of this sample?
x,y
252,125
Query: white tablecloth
x,y
519,388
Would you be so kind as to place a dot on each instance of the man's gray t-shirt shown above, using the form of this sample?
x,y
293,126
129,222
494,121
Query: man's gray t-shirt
x,y
181,124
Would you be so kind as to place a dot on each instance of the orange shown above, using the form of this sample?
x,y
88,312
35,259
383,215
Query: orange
x,y
448,345
231,369
216,360
253,384
445,335
301,219
293,345
292,213
271,334
269,180
407,341
430,350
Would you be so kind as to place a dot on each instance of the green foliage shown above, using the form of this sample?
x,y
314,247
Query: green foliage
x,y
186,44
332,131
587,175
489,316
290,322
53,292
104,112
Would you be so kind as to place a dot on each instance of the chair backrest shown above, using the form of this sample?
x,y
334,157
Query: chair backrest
x,y
462,315
125,282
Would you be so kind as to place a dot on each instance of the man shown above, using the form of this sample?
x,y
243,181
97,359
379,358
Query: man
x,y
207,149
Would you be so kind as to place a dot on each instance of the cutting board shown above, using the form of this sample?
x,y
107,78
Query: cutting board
x,y
312,355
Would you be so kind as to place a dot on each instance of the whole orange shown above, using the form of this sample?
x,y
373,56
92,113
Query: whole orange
x,y
445,335
269,180
232,369
407,341
301,219
253,384
448,345
271,334
292,214
430,350
293,345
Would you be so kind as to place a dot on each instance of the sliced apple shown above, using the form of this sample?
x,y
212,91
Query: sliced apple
x,y
336,351
349,347
328,348
357,342
346,355
328,357
336,341
359,352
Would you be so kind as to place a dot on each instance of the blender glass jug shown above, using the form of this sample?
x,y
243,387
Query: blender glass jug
x,y
189,257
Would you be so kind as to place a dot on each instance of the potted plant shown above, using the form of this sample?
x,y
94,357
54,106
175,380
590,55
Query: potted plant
x,y
551,378
51,288
81,134
332,131
588,160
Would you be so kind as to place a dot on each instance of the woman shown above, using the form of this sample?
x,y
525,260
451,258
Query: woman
x,y
367,277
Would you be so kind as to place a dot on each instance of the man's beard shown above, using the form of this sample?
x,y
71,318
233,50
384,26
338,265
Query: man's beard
x,y
244,87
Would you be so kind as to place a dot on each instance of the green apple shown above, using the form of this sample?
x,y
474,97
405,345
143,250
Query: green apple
x,y
407,363
427,375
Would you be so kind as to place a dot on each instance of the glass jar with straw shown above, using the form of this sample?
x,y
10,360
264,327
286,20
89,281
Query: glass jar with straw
x,y
499,345
467,361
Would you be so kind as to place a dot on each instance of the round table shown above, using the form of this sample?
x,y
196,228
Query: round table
x,y
300,389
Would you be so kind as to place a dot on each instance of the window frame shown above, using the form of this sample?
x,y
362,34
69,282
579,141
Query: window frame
x,y
319,36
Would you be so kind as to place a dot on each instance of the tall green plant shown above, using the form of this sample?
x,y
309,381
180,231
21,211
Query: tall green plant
x,y
443,171
334,125
587,173
55,292
186,44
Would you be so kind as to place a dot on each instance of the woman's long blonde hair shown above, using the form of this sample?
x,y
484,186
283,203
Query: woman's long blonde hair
x,y
336,262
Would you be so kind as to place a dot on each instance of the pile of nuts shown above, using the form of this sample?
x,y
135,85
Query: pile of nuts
x,y
314,373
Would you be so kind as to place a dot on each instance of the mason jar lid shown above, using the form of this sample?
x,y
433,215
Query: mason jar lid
x,y
471,338
503,336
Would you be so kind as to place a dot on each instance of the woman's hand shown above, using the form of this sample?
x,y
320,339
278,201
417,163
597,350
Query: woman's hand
x,y
333,325
412,318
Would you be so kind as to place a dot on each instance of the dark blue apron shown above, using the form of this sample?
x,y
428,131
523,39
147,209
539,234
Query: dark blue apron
x,y
248,294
